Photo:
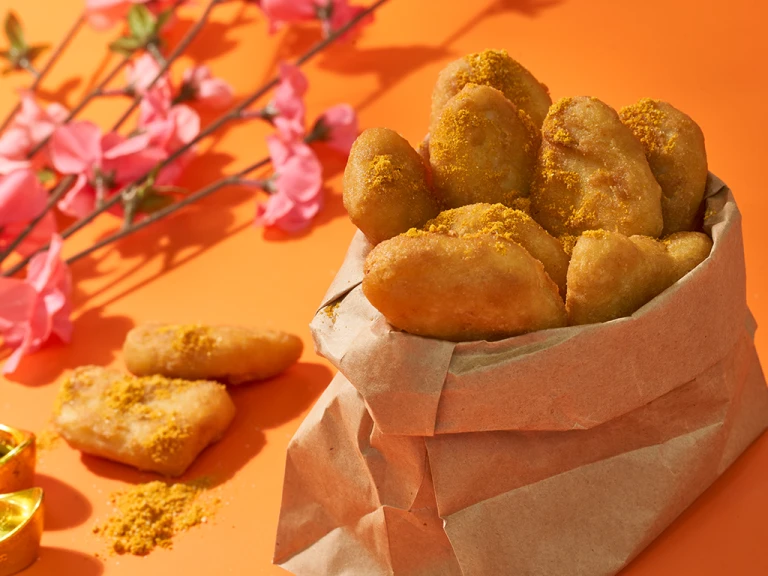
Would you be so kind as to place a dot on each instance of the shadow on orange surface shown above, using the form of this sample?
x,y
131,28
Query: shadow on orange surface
x,y
260,406
213,41
62,92
59,561
65,506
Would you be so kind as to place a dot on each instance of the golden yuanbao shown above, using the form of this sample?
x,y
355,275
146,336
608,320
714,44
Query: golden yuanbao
x,y
553,214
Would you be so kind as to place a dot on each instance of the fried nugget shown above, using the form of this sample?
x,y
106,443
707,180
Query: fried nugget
x,y
612,275
230,354
386,189
152,423
511,224
592,174
483,149
674,147
496,69
476,287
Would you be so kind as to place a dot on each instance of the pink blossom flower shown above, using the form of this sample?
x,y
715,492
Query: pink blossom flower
x,y
297,186
104,14
142,71
34,309
286,109
23,198
337,127
103,164
202,86
31,125
338,13
168,128
282,12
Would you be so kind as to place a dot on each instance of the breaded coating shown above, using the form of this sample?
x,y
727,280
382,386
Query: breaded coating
x,y
496,69
151,423
592,174
386,190
511,224
612,275
232,354
483,149
674,147
476,287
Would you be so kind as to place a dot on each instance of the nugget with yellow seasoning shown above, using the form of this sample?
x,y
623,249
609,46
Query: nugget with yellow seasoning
x,y
483,149
231,354
510,224
386,190
474,287
152,423
592,174
612,275
494,68
674,147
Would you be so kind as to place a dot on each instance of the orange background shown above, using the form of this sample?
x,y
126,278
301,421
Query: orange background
x,y
209,264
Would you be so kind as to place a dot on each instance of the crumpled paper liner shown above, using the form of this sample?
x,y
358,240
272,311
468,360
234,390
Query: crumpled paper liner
x,y
561,452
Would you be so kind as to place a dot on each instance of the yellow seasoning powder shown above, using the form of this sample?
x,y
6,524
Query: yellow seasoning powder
x,y
47,439
150,515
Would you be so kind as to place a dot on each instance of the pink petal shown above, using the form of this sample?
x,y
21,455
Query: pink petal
x,y
279,150
196,75
276,207
116,146
289,95
341,121
7,166
80,200
282,12
22,197
44,269
342,13
76,148
15,143
37,238
215,93
141,72
187,123
300,173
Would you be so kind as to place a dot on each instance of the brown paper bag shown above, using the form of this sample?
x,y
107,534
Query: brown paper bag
x,y
562,452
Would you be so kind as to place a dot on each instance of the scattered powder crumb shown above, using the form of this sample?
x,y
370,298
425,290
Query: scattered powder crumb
x,y
332,310
47,439
150,515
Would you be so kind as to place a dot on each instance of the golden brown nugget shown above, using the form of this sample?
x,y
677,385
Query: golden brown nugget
x,y
511,224
151,423
494,68
592,174
386,189
612,275
232,354
480,287
483,149
674,147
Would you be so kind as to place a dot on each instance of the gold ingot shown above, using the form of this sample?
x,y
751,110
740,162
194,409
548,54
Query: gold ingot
x,y
17,459
21,528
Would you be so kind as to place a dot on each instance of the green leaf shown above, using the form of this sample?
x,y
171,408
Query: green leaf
x,y
141,21
125,45
152,202
14,32
34,51
162,19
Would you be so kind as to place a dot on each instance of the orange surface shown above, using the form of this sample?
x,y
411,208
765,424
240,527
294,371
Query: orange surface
x,y
209,263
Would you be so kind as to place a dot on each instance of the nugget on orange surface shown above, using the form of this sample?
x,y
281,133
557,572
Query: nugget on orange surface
x,y
475,287
483,149
152,423
592,174
612,275
494,68
232,354
511,224
674,147
386,191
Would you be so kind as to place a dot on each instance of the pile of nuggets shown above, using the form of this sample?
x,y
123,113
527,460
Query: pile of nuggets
x,y
517,214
